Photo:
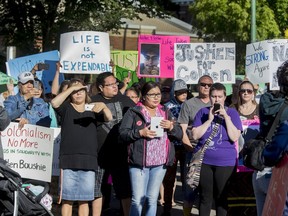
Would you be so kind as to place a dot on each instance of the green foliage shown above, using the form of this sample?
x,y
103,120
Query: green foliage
x,y
230,21
23,22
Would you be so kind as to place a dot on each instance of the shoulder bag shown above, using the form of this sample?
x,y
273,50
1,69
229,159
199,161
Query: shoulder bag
x,y
253,149
194,167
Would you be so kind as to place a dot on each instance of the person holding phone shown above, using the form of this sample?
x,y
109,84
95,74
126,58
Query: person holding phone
x,y
220,157
26,107
148,155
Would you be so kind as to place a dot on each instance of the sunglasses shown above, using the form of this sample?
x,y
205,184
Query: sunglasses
x,y
206,84
249,91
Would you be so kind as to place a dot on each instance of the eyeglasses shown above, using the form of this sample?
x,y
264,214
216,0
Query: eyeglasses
x,y
154,95
249,91
133,97
206,84
152,58
112,84
81,91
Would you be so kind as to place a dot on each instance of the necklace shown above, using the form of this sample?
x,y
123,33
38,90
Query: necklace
x,y
247,109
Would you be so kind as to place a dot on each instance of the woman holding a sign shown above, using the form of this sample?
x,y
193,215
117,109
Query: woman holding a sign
x,y
147,128
78,147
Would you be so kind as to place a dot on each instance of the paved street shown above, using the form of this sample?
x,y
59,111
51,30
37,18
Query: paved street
x,y
114,209
176,211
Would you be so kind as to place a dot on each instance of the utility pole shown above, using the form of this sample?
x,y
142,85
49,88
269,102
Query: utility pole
x,y
253,21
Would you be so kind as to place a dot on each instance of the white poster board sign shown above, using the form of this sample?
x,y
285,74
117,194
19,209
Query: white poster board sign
x,y
29,150
263,59
85,52
193,60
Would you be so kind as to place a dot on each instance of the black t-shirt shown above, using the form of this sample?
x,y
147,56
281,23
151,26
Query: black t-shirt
x,y
112,152
78,147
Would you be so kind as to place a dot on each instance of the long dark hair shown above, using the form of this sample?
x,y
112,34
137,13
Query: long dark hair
x,y
282,76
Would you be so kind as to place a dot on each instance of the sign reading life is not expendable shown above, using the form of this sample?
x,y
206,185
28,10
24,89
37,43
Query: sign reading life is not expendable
x,y
193,60
85,52
29,151
263,59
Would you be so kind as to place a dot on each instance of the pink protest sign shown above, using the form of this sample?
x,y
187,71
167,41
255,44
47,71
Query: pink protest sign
x,y
278,188
156,55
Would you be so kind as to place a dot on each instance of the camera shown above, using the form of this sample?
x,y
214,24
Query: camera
x,y
216,107
36,84
42,66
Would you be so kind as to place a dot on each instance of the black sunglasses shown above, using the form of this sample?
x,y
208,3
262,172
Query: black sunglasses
x,y
249,91
206,84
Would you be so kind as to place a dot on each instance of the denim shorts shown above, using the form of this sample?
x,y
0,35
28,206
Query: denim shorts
x,y
77,185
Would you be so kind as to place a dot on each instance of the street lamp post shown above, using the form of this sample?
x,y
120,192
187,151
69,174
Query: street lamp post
x,y
253,21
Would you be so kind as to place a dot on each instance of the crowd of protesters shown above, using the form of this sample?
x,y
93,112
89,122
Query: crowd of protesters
x,y
112,141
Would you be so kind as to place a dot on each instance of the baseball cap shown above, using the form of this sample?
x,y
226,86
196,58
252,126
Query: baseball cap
x,y
24,77
180,85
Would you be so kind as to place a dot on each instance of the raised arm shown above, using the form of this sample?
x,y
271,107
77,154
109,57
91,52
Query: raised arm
x,y
55,82
198,132
60,98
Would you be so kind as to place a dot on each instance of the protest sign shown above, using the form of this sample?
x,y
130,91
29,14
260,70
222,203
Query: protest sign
x,y
125,59
278,189
263,59
29,150
156,55
26,63
193,60
121,73
85,52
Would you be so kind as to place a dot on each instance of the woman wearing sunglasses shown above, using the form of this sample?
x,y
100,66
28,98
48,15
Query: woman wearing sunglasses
x,y
246,104
248,110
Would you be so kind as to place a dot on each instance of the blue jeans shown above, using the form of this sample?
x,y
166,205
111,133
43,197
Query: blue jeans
x,y
145,184
260,187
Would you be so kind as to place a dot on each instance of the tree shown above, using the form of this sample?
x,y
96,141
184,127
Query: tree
x,y
27,23
230,21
